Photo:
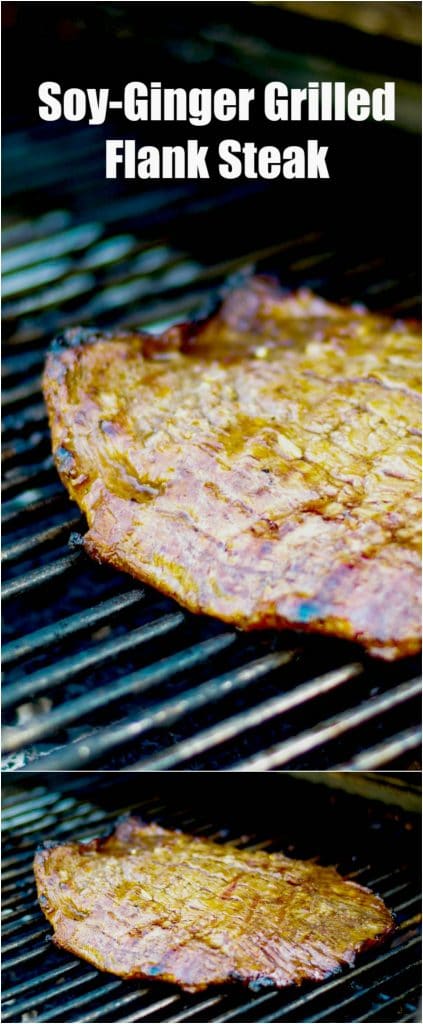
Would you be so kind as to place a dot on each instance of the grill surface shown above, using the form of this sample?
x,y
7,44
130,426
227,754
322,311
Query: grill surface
x,y
373,843
101,671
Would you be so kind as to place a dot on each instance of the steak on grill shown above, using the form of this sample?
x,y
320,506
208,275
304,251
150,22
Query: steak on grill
x,y
262,466
147,902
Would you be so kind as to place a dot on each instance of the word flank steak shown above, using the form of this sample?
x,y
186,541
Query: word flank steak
x,y
152,102
237,160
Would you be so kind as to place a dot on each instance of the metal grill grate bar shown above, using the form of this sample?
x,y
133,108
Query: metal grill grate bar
x,y
74,1003
32,501
307,999
14,365
385,753
12,927
79,754
379,1013
29,807
56,244
103,303
15,872
331,729
41,979
372,989
21,392
15,943
133,290
188,1014
24,958
46,679
33,544
12,915
25,823
17,422
20,447
15,898
116,1005
146,1011
164,713
38,577
41,472
248,719
73,625
26,1005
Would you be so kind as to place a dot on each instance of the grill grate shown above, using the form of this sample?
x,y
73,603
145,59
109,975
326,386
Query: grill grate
x,y
101,672
41,983
69,703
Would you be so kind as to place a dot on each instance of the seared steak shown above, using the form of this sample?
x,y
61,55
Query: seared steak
x,y
262,466
147,902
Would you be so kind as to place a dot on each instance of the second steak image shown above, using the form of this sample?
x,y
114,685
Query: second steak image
x,y
261,897
197,914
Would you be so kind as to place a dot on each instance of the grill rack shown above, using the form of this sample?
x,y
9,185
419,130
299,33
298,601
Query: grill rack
x,y
41,983
53,652
99,671
40,519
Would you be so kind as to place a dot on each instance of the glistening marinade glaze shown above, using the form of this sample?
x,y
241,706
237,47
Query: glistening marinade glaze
x,y
148,902
262,466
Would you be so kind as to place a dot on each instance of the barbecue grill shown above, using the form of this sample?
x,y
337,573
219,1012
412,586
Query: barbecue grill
x,y
101,671
372,834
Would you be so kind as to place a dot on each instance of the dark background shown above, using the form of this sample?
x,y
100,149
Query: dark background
x,y
371,201
334,822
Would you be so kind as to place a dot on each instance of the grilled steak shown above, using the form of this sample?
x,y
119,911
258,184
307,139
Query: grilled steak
x,y
262,466
147,902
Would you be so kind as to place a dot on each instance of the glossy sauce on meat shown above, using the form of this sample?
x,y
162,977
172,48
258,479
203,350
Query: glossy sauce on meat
x,y
147,902
262,467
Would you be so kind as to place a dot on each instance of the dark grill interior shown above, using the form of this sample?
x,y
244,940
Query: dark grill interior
x,y
371,842
102,671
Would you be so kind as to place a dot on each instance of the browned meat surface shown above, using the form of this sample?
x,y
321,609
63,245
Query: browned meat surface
x,y
262,467
147,902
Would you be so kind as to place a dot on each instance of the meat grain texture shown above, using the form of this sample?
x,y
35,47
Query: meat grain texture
x,y
262,467
147,902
